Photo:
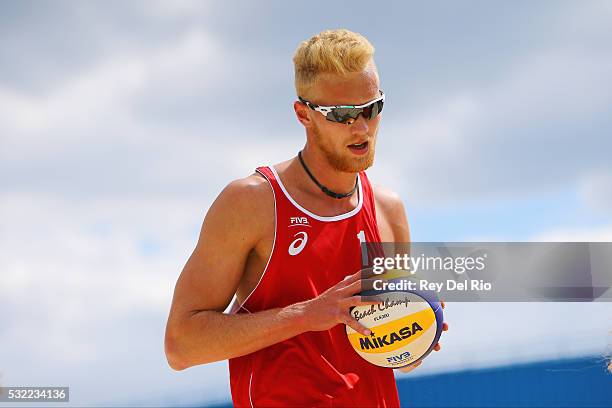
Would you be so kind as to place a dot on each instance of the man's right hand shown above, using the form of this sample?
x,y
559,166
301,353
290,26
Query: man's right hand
x,y
332,306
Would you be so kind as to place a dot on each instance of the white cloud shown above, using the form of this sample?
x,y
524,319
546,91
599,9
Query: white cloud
x,y
551,84
75,110
527,131
63,263
561,233
596,190
602,233
176,8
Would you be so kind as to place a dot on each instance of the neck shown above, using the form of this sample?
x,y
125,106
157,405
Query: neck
x,y
335,180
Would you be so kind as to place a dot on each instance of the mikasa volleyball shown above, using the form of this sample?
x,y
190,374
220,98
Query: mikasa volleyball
x,y
405,325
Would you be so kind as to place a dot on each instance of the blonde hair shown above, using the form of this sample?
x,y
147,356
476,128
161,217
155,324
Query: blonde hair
x,y
330,52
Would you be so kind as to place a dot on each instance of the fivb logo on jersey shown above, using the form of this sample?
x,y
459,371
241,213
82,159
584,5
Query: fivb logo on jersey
x,y
301,237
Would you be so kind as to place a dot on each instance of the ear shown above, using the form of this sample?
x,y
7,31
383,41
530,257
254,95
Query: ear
x,y
302,113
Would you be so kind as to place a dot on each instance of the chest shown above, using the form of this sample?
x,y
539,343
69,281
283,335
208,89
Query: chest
x,y
300,245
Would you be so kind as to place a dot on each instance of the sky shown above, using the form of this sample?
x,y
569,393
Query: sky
x,y
120,122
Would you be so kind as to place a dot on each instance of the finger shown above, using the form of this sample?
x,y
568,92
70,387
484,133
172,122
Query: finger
x,y
359,301
348,279
437,347
368,273
410,367
351,289
355,325
361,274
444,326
358,286
443,304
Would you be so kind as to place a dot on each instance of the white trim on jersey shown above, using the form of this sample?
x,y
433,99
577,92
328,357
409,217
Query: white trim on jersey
x,y
320,217
250,397
239,306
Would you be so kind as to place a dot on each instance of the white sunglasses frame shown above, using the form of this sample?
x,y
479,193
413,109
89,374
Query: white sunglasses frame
x,y
324,110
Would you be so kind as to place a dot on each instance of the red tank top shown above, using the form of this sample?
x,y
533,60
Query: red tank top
x,y
310,254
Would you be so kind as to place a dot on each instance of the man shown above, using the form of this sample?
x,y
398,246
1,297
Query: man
x,y
283,241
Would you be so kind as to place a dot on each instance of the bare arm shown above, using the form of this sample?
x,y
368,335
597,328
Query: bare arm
x,y
391,216
197,331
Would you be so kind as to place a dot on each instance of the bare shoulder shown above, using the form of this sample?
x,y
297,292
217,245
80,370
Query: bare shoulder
x,y
390,214
252,189
245,197
387,199
239,218
252,183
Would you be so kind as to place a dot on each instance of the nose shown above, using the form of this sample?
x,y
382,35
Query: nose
x,y
360,126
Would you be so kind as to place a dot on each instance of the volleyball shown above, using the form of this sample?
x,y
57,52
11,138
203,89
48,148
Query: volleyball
x,y
405,325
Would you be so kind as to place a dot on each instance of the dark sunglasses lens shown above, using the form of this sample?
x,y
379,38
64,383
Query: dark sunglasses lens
x,y
373,110
342,115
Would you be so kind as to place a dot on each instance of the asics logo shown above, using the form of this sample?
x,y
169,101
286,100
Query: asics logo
x,y
298,244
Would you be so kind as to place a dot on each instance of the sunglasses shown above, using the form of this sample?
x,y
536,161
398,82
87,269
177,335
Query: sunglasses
x,y
347,114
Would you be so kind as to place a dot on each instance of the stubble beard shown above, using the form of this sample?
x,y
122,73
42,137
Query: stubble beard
x,y
346,162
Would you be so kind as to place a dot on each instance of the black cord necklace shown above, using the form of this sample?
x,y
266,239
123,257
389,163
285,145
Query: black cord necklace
x,y
322,187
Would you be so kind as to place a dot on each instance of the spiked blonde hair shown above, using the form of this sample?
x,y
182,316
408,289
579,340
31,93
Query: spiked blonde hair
x,y
330,52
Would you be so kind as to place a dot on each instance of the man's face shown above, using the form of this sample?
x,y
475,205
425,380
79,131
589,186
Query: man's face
x,y
337,140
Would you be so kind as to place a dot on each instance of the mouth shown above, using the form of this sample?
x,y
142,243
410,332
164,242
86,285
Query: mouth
x,y
359,148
